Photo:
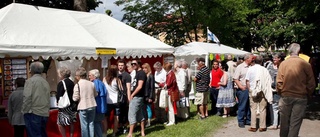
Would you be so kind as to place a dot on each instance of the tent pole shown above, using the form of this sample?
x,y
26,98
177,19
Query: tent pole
x,y
207,60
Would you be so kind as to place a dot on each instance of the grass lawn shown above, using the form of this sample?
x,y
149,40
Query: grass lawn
x,y
193,127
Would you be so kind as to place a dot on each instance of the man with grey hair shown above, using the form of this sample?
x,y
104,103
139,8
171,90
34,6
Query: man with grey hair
x,y
258,81
295,83
36,102
159,77
242,92
181,77
186,68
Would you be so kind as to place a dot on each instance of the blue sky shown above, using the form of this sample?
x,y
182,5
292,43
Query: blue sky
x,y
109,4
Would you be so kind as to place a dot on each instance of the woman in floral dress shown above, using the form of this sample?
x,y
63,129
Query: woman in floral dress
x,y
226,95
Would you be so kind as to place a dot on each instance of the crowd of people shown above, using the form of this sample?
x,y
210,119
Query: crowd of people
x,y
129,97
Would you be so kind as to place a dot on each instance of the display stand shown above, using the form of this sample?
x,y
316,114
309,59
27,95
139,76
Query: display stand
x,y
12,69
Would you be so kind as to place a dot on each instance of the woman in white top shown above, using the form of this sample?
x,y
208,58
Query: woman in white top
x,y
110,82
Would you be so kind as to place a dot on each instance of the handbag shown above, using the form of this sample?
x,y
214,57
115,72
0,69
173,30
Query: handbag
x,y
182,102
175,96
64,100
121,93
163,99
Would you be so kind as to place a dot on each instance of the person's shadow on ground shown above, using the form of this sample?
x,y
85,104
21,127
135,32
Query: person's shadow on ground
x,y
313,109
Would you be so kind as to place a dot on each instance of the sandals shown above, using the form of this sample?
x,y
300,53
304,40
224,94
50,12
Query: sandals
x,y
272,128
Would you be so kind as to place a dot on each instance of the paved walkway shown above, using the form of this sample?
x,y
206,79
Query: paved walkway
x,y
310,126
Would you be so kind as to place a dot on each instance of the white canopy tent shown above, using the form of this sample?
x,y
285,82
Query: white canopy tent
x,y
199,49
27,30
190,51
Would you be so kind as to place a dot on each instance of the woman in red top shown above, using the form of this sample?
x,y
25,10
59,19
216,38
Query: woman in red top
x,y
173,92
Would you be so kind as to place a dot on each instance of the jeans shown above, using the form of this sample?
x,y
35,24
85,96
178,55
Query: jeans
x,y
35,125
274,110
98,131
213,97
291,111
87,117
244,114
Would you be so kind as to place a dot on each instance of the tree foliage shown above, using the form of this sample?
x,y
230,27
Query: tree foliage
x,y
238,23
60,4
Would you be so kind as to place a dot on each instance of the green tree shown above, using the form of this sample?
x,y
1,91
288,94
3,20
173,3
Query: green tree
x,y
226,18
303,16
279,23
60,4
238,23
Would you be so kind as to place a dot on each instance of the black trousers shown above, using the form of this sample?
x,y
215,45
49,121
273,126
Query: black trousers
x,y
19,130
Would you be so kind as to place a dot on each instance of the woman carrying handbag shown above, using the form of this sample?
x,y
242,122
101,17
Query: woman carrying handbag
x,y
66,116
173,93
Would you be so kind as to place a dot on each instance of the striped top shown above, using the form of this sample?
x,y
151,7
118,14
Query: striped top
x,y
203,79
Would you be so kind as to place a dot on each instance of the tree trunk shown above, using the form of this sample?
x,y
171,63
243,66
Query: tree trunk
x,y
80,5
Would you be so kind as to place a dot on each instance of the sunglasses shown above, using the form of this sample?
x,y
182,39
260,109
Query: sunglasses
x,y
133,63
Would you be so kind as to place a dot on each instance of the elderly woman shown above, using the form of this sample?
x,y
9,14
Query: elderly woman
x,y
172,87
85,92
274,107
101,101
149,93
66,116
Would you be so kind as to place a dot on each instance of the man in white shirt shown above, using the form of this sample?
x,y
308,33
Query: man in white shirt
x,y
160,77
189,80
182,79
258,81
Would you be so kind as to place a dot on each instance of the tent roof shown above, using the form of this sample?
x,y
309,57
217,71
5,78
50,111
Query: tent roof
x,y
200,48
27,30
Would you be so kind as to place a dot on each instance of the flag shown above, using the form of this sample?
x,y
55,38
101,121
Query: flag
x,y
212,37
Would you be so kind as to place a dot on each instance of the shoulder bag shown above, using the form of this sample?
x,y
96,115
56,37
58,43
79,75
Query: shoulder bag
x,y
121,92
64,100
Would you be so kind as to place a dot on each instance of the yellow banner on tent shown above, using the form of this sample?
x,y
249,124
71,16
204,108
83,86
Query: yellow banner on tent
x,y
106,51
